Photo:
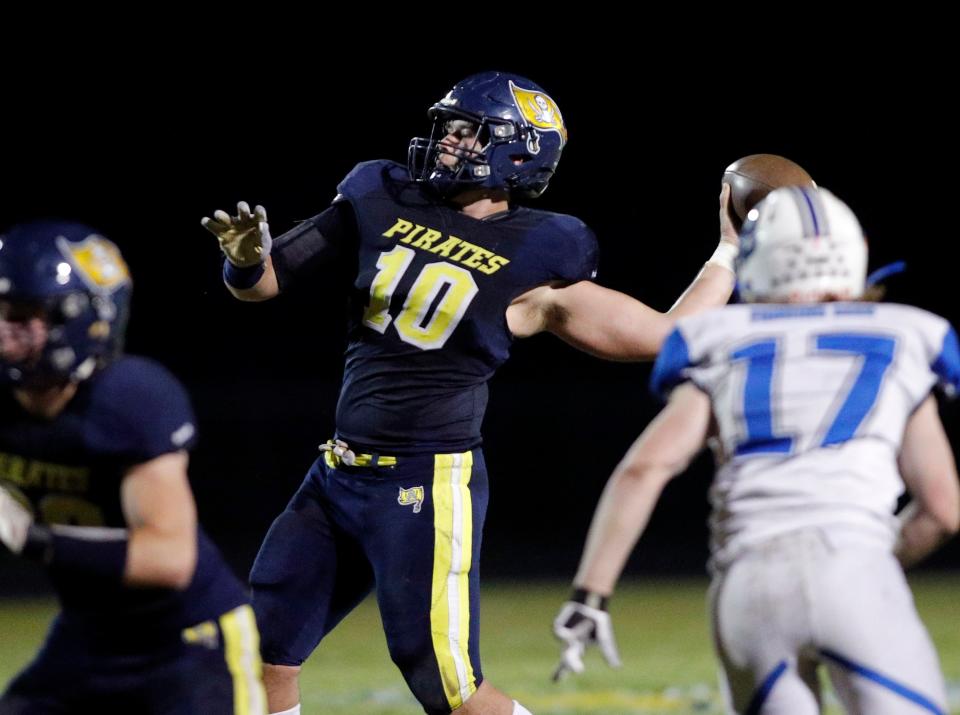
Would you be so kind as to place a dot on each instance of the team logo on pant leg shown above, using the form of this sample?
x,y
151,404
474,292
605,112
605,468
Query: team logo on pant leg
x,y
205,634
413,495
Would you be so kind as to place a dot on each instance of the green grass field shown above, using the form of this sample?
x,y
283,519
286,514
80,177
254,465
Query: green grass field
x,y
661,628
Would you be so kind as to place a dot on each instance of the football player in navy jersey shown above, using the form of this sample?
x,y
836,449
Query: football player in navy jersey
x,y
448,270
93,485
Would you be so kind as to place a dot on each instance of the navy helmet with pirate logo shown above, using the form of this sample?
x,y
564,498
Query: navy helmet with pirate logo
x,y
64,301
520,135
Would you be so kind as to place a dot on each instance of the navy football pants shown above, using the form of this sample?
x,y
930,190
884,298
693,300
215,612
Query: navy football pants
x,y
211,668
412,531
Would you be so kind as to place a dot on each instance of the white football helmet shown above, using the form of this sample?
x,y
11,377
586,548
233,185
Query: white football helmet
x,y
801,244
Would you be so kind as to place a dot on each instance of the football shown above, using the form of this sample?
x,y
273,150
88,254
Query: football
x,y
753,177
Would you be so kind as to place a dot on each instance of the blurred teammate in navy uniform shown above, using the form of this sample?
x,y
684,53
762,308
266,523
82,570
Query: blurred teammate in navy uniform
x,y
448,270
93,484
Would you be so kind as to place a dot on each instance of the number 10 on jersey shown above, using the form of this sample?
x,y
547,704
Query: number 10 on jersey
x,y
413,324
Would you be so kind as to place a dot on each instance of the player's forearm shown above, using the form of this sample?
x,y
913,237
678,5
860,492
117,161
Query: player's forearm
x,y
250,284
619,338
921,533
614,326
606,323
158,506
621,516
157,558
711,288
664,450
930,474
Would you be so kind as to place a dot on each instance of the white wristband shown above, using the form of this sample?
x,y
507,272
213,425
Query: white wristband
x,y
725,255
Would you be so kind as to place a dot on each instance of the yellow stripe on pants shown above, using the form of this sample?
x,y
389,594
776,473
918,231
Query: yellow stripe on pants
x,y
452,557
241,644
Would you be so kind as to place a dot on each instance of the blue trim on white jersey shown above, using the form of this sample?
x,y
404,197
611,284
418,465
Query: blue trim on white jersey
x,y
947,364
673,359
778,311
854,308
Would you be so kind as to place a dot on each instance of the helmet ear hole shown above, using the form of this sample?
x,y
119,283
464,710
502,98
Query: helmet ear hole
x,y
69,307
533,142
483,135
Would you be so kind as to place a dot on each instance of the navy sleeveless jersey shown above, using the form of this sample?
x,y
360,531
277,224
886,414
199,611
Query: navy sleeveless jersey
x,y
69,469
428,305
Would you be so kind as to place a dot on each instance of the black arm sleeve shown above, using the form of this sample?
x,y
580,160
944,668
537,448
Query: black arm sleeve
x,y
319,242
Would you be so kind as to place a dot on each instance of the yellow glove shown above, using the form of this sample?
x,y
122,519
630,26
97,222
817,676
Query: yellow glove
x,y
244,238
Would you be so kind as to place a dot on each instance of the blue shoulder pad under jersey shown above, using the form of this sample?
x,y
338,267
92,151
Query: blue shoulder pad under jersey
x,y
576,258
367,177
947,364
673,359
139,411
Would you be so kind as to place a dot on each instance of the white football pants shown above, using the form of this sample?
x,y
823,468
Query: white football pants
x,y
814,597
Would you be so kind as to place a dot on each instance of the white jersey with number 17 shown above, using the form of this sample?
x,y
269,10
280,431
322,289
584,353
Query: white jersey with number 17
x,y
810,403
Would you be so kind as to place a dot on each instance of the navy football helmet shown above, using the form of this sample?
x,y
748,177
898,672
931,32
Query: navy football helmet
x,y
520,136
64,301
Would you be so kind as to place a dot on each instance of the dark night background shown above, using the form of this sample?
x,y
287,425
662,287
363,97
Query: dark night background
x,y
142,147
